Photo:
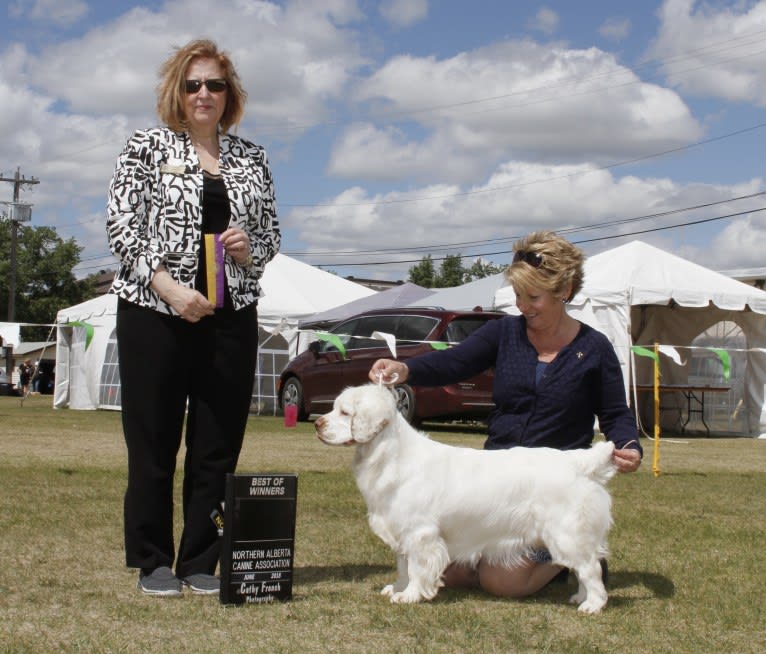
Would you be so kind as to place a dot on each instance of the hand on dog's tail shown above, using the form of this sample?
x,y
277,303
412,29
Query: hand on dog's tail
x,y
596,462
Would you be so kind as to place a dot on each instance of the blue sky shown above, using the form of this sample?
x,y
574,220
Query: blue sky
x,y
406,128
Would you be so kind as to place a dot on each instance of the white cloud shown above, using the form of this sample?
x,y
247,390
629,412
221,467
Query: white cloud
x,y
403,13
714,49
517,198
545,21
387,154
474,132
615,29
515,98
69,108
292,59
743,242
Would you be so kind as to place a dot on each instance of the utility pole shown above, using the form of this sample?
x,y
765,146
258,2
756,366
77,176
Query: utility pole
x,y
19,212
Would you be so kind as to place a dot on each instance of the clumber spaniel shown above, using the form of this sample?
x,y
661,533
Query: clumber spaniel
x,y
434,504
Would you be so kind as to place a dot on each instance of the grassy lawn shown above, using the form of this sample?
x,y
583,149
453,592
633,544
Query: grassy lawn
x,y
686,570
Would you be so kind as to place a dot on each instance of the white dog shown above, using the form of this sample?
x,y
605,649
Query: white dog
x,y
434,504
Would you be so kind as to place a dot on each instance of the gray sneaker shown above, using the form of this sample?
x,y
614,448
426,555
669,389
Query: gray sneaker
x,y
161,581
203,584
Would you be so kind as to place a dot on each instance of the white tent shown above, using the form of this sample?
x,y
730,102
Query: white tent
x,y
480,292
86,360
639,294
396,296
10,333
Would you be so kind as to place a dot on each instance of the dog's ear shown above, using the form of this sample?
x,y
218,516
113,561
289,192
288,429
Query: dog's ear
x,y
371,414
364,429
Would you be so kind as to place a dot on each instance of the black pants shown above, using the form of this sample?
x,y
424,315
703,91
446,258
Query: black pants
x,y
169,367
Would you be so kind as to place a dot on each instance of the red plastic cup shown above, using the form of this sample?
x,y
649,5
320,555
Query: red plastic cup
x,y
291,415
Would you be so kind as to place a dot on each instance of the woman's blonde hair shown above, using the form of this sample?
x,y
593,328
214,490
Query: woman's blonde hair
x,y
171,90
560,263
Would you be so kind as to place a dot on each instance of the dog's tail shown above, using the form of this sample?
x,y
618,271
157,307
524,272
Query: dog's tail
x,y
596,462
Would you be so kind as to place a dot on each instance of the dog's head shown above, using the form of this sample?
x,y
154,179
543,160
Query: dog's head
x,y
359,414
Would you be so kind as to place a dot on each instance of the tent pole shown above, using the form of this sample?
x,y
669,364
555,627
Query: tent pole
x,y
656,458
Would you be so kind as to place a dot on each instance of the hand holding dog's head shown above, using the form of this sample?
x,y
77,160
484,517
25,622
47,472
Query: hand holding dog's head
x,y
358,416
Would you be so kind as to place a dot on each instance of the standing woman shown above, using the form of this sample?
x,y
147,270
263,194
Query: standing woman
x,y
192,219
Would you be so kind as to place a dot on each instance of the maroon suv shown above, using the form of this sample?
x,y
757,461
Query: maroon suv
x,y
314,379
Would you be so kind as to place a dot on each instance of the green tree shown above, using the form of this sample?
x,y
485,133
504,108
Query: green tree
x,y
480,269
451,272
423,273
44,279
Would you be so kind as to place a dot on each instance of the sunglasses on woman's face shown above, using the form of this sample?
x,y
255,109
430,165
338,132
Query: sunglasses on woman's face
x,y
213,85
532,258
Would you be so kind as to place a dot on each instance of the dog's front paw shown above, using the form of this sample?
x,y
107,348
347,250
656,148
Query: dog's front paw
x,y
591,606
406,597
387,591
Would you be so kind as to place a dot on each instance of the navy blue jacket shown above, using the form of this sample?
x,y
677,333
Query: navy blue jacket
x,y
584,381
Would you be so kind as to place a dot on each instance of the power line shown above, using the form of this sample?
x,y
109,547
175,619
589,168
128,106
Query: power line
x,y
495,189
610,166
601,238
611,223
708,50
561,231
561,83
578,173
741,41
478,243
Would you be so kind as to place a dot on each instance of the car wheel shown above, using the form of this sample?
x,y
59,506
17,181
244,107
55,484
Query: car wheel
x,y
405,402
293,394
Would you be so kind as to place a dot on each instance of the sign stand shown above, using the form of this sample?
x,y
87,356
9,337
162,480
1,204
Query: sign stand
x,y
258,538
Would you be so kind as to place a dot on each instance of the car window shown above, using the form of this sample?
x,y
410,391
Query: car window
x,y
343,332
365,328
461,328
413,329
355,334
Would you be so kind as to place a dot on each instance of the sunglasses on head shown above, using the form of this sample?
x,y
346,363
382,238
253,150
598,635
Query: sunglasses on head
x,y
532,258
213,85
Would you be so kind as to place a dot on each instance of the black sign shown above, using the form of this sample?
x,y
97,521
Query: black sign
x,y
258,538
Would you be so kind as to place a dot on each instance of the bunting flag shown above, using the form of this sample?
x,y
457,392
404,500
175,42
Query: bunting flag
x,y
723,355
88,330
214,270
439,345
670,351
644,352
390,340
333,340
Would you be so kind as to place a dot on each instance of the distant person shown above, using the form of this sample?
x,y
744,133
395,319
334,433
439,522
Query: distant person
x,y
553,376
192,219
26,369
36,377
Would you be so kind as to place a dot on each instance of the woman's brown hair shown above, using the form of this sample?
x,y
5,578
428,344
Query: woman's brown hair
x,y
171,89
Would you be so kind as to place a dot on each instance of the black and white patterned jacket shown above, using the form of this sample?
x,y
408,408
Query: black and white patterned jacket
x,y
154,214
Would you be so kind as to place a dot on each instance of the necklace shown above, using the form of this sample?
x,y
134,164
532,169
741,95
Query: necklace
x,y
208,154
